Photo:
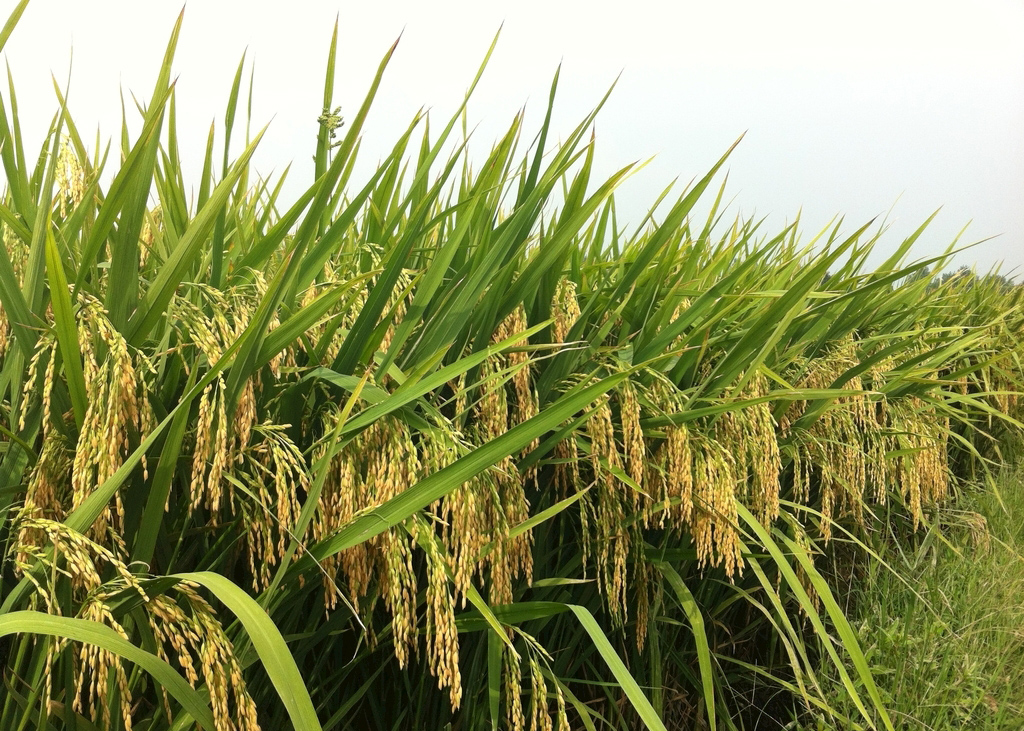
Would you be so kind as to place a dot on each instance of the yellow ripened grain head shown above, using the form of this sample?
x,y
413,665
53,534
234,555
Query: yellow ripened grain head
x,y
565,309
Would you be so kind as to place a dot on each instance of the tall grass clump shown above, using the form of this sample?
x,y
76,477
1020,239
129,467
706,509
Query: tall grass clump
x,y
941,622
449,446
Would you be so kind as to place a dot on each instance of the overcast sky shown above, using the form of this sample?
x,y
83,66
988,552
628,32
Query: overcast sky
x,y
870,108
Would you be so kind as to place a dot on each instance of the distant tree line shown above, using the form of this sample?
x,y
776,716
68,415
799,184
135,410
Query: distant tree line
x,y
963,273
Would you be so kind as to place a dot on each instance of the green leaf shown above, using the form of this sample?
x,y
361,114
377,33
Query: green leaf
x,y
12,20
15,307
494,650
67,330
846,635
700,638
94,633
269,644
154,304
527,611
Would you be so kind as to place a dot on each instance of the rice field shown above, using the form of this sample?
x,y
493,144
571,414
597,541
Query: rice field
x,y
449,447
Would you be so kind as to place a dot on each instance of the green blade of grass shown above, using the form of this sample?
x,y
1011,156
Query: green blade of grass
x,y
67,330
700,638
15,307
847,638
94,633
157,297
269,644
527,611
12,21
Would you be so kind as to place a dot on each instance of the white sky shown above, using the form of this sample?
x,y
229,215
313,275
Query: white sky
x,y
864,108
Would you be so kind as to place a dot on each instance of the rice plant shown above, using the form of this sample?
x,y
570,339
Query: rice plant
x,y
449,446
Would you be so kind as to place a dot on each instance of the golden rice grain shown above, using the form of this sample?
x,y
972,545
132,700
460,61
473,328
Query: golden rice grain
x,y
714,506
513,677
565,310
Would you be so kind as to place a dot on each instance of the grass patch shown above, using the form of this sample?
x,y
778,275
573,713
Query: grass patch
x,y
945,634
